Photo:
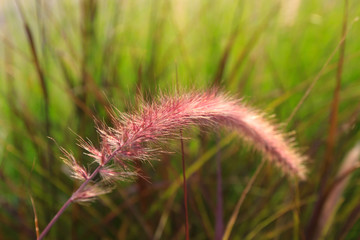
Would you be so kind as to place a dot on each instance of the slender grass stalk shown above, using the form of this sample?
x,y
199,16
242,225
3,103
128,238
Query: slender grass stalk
x,y
348,166
36,222
67,203
235,213
184,172
350,222
46,158
321,72
328,162
333,120
251,43
138,137
219,212
185,188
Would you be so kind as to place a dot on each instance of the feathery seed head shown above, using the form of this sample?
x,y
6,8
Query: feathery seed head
x,y
136,136
90,192
162,119
76,171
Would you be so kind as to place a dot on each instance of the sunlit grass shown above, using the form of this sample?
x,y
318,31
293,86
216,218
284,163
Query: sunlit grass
x,y
97,53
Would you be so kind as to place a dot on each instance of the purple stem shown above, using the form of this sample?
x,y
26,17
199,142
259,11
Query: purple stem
x,y
71,199
67,203
219,222
185,189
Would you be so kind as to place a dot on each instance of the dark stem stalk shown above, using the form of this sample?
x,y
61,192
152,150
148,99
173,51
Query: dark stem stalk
x,y
68,202
72,198
185,188
314,231
55,218
219,222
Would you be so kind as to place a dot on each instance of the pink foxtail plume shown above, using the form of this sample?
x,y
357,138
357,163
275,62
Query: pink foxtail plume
x,y
134,136
137,136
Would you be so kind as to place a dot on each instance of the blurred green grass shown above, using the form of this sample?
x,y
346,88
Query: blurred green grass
x,y
97,53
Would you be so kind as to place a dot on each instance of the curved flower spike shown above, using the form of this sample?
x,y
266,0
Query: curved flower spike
x,y
136,136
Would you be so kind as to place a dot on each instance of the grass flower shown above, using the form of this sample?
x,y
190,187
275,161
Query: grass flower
x,y
138,136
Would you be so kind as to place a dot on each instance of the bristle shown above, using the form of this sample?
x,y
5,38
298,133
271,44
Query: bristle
x,y
161,120
137,136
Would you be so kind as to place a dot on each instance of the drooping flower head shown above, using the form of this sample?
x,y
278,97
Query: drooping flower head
x,y
136,135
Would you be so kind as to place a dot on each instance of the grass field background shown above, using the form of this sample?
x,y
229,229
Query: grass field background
x,y
62,63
